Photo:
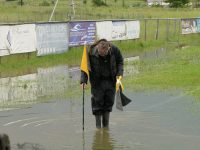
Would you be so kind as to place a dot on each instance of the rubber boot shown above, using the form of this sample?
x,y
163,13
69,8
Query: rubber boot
x,y
4,142
98,121
106,119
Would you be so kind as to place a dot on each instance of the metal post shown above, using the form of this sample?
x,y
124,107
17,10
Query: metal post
x,y
145,29
157,29
83,105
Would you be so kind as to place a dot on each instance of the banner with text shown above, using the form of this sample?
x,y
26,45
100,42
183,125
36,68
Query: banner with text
x,y
52,38
81,33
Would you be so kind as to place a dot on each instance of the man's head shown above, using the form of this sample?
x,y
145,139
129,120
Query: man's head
x,y
103,48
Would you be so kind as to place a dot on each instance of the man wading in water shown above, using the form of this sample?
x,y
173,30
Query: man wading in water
x,y
106,64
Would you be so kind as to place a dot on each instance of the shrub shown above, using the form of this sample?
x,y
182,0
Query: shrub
x,y
177,3
44,3
99,2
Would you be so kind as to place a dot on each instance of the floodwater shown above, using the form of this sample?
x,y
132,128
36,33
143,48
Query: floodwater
x,y
43,111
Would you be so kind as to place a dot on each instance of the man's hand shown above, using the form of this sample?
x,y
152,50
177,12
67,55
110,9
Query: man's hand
x,y
119,83
83,86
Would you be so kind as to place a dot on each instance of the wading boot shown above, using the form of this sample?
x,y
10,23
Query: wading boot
x,y
98,121
4,142
106,119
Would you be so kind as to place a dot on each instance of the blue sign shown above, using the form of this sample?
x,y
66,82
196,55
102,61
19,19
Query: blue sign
x,y
81,33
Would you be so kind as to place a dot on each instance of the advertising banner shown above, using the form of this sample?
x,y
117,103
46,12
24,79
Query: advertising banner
x,y
22,38
189,26
118,30
81,33
52,38
104,30
132,29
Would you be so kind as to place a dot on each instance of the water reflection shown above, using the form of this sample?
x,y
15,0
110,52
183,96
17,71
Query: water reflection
x,y
150,55
58,81
27,89
102,140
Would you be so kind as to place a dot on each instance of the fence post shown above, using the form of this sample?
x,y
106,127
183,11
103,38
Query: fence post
x,y
157,29
167,30
179,28
145,29
174,26
28,55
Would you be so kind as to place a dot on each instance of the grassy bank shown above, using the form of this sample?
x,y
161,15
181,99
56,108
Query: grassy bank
x,y
178,70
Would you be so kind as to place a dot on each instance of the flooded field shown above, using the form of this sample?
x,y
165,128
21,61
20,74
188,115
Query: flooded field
x,y
43,111
151,121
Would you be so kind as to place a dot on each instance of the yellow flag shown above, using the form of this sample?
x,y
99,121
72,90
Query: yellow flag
x,y
84,62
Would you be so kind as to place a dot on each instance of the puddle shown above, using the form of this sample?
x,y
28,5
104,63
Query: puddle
x,y
154,120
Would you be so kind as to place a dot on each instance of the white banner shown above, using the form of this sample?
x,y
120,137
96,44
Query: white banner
x,y
132,29
104,30
118,30
22,38
52,38
189,26
4,50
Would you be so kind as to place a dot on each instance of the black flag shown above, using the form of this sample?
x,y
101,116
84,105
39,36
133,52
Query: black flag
x,y
121,99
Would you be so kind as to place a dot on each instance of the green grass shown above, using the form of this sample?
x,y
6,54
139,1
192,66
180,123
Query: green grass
x,y
32,11
178,70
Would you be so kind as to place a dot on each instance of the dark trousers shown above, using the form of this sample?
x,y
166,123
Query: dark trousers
x,y
102,102
103,97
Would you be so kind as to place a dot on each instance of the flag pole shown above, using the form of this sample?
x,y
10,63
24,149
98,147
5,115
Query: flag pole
x,y
83,104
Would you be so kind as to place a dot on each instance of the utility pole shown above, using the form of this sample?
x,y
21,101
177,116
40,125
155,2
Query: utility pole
x,y
53,10
73,8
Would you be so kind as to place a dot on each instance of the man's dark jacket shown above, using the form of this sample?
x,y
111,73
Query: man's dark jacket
x,y
116,65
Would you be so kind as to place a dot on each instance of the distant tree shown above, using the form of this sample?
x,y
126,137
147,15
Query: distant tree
x,y
177,3
84,1
99,2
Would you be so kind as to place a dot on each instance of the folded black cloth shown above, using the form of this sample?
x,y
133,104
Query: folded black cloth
x,y
125,100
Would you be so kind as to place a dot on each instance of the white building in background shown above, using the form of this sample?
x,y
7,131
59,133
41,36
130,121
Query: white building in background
x,y
157,2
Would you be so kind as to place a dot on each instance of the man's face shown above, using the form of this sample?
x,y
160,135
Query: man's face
x,y
103,51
